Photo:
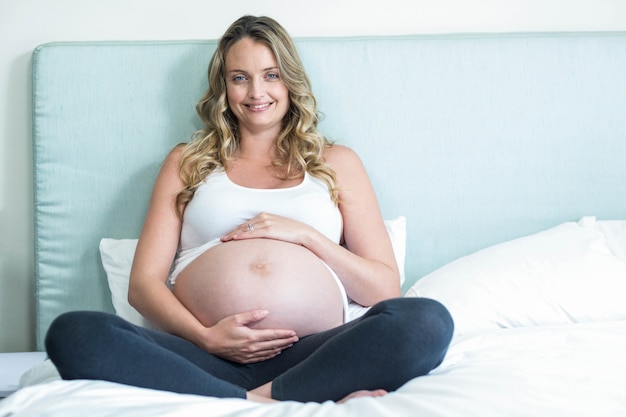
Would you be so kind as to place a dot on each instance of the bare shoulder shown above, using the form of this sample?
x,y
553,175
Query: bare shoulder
x,y
168,179
171,164
350,174
174,156
341,158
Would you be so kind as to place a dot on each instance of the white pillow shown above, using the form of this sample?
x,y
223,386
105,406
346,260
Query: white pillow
x,y
615,233
117,259
566,274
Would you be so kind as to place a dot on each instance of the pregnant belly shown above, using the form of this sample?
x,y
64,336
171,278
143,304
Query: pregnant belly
x,y
288,280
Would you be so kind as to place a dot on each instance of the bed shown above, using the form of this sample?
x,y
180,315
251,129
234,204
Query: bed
x,y
499,161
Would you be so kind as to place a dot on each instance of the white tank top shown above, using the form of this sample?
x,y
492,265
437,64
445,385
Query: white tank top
x,y
219,205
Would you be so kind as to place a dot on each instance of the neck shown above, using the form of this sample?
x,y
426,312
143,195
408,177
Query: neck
x,y
257,147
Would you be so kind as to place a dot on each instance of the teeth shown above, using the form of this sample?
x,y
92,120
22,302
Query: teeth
x,y
260,106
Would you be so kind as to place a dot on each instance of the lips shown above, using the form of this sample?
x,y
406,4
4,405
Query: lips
x,y
258,107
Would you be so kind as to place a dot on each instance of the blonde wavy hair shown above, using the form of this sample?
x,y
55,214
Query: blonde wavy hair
x,y
299,146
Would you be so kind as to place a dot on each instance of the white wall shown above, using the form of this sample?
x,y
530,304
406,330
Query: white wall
x,y
24,24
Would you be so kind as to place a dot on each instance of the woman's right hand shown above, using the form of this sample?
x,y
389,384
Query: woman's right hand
x,y
234,339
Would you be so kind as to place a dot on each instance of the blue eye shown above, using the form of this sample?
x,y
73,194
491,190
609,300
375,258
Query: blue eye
x,y
272,76
239,78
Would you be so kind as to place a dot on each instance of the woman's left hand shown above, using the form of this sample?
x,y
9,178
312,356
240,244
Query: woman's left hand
x,y
270,226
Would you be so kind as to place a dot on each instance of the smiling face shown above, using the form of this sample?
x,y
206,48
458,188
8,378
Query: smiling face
x,y
256,94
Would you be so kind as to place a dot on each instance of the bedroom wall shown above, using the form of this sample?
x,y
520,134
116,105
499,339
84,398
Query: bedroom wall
x,y
25,24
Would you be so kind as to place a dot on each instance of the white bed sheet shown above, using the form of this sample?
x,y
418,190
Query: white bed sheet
x,y
553,371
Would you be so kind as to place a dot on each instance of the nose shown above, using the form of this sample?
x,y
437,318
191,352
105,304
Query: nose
x,y
256,89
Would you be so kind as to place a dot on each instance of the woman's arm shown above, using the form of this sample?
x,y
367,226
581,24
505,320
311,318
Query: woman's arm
x,y
368,268
154,255
231,338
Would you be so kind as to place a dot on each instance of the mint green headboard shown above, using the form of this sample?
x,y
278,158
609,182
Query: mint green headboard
x,y
475,139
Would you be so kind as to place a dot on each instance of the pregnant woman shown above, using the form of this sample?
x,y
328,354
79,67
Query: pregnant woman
x,y
260,239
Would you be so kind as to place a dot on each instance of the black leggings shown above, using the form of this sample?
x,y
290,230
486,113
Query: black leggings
x,y
395,341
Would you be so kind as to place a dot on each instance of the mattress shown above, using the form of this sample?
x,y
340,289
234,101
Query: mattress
x,y
553,371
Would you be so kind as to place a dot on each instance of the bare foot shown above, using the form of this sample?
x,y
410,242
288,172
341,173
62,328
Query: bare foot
x,y
363,393
262,394
258,398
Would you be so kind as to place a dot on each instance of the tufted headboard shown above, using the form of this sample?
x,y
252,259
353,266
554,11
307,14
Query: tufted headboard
x,y
476,139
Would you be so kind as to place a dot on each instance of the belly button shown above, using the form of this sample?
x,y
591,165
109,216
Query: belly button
x,y
260,268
